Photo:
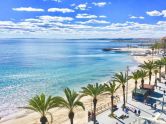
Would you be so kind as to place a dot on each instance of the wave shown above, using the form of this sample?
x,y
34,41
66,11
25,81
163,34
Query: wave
x,y
17,76
133,68
78,56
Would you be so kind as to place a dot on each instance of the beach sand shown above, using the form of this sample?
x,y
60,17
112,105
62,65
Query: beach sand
x,y
60,116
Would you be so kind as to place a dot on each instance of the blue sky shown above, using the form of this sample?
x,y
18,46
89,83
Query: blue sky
x,y
82,18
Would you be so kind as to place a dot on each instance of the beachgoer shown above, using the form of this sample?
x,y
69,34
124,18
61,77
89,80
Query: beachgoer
x,y
155,106
127,110
135,111
89,113
139,112
151,105
145,101
159,88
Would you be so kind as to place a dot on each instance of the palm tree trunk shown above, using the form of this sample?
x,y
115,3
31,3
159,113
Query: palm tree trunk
x,y
158,50
124,100
71,117
165,69
112,104
155,79
142,83
94,114
135,86
152,52
150,74
43,120
160,73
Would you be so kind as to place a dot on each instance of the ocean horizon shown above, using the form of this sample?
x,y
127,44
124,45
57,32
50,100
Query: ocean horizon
x,y
32,66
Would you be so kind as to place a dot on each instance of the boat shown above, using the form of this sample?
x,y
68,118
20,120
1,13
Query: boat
x,y
138,54
111,49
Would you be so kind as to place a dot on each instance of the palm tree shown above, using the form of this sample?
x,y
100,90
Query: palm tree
x,y
71,101
135,76
152,47
42,105
148,66
142,74
94,91
122,79
159,64
164,63
155,72
111,88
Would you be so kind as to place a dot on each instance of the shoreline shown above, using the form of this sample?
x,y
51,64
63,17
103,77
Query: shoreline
x,y
80,116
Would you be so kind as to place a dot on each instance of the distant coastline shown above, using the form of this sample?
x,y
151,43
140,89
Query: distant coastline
x,y
90,38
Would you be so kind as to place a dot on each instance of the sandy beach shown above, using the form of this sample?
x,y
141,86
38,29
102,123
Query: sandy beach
x,y
60,116
52,50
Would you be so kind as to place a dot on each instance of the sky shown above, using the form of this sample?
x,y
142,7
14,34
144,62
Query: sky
x,y
82,19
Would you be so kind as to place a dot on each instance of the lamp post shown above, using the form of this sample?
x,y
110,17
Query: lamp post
x,y
163,101
127,71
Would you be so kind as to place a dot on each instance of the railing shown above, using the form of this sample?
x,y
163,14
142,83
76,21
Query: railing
x,y
103,108
142,121
138,121
107,106
100,110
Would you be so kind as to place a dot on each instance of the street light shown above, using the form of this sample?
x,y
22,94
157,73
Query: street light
x,y
163,100
127,71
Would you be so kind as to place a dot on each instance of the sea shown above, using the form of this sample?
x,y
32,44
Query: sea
x,y
32,66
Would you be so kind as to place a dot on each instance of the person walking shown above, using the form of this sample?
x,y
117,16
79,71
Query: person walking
x,y
139,112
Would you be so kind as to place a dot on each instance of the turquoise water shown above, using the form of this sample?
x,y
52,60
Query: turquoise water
x,y
32,66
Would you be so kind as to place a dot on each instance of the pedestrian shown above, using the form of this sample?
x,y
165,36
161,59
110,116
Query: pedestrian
x,y
135,111
155,106
127,110
151,105
139,112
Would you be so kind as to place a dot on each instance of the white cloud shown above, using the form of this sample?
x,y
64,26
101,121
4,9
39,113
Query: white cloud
x,y
136,17
103,16
85,16
63,10
28,9
57,1
55,18
73,4
164,13
161,23
82,6
6,23
62,27
157,13
93,21
154,13
32,20
99,4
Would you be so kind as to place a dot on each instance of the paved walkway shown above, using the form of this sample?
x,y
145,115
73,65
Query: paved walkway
x,y
146,110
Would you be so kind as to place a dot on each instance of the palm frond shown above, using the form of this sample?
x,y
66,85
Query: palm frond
x,y
93,90
71,100
111,87
40,104
121,78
